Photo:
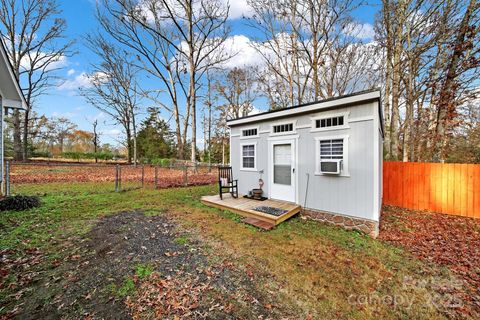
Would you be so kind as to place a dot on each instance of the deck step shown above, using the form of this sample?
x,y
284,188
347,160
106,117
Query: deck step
x,y
258,223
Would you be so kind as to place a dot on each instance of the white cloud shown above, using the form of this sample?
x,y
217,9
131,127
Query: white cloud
x,y
362,31
99,116
68,115
238,9
244,52
70,72
255,110
111,132
59,63
80,81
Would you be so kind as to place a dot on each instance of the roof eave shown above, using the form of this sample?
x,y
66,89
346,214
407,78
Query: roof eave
x,y
21,102
327,104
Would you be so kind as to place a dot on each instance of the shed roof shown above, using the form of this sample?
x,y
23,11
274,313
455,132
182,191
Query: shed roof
x,y
353,99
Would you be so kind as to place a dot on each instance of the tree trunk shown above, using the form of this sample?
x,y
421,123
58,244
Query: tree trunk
x,y
388,79
191,89
397,51
26,130
129,141
446,102
17,136
209,134
134,139
60,144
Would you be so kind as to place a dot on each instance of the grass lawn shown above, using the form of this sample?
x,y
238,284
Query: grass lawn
x,y
90,252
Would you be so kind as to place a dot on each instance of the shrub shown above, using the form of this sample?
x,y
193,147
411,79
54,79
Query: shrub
x,y
163,162
19,203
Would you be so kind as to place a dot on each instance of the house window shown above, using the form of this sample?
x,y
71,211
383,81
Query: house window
x,y
330,122
281,128
331,149
250,132
248,156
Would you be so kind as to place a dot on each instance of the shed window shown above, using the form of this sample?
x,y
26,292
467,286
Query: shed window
x,y
248,156
331,149
330,122
280,128
249,132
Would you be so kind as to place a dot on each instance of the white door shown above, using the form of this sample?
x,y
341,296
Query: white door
x,y
282,170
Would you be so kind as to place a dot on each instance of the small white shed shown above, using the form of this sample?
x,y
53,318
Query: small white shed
x,y
325,156
11,96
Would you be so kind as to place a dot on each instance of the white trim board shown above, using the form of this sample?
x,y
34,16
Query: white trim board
x,y
345,169
255,156
308,108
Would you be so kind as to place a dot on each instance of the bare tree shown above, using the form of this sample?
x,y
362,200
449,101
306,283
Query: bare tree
x,y
63,128
34,34
237,89
432,57
177,42
463,62
114,88
311,50
208,112
95,139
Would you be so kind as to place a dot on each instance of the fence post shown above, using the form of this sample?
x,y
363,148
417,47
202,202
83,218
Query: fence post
x,y
143,175
118,178
156,177
185,176
7,178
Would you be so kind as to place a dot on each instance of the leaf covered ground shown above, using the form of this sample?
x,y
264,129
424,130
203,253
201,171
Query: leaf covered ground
x,y
442,239
92,253
166,178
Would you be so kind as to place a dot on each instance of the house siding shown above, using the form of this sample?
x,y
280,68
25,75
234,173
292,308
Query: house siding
x,y
357,195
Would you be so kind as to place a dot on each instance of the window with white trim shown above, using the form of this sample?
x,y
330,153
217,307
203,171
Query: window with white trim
x,y
329,122
248,156
281,128
250,132
331,149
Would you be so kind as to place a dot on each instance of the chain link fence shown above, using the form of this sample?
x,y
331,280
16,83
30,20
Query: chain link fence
x,y
117,178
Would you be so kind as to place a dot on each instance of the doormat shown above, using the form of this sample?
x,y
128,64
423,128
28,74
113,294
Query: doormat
x,y
258,199
270,210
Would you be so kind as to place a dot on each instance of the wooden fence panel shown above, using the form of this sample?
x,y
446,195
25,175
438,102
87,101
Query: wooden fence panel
x,y
446,188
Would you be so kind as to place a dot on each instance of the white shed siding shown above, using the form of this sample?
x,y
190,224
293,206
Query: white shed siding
x,y
358,194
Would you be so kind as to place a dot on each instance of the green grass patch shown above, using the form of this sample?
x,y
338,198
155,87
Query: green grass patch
x,y
182,240
142,270
313,267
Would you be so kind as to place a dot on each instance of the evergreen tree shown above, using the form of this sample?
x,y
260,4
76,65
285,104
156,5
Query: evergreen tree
x,y
155,139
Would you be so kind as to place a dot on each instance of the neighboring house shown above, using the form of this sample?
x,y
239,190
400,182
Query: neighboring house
x,y
11,96
325,156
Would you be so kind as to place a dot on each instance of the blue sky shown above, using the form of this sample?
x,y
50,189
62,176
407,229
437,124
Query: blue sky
x,y
63,101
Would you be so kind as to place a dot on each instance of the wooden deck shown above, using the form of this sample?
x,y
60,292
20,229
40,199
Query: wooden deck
x,y
244,207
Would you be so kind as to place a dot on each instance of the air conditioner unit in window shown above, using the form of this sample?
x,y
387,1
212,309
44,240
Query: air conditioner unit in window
x,y
331,166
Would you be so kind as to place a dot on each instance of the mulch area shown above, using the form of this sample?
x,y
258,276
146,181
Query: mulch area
x,y
98,277
442,239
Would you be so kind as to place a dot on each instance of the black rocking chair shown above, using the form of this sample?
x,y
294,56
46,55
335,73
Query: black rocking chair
x,y
225,181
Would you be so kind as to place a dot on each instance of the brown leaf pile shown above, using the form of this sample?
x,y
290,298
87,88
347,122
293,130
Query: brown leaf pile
x,y
443,239
175,297
166,178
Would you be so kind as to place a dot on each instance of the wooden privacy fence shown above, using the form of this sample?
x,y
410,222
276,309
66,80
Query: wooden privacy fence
x,y
446,188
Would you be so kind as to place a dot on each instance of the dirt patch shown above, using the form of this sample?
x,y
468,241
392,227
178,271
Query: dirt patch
x,y
438,238
129,265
